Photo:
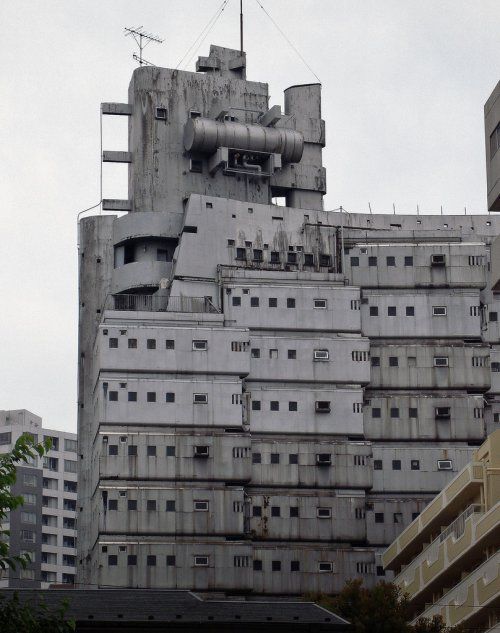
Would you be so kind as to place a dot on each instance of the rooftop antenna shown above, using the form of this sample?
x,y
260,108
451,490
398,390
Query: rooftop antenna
x,y
241,26
142,39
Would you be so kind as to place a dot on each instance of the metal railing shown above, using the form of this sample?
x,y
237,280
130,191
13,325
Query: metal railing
x,y
160,303
457,528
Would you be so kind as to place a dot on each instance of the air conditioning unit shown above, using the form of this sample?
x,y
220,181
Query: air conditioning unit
x,y
201,451
321,354
445,464
323,406
323,459
442,413
438,259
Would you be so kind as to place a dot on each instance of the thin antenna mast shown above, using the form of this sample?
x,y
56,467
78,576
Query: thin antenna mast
x,y
142,39
241,26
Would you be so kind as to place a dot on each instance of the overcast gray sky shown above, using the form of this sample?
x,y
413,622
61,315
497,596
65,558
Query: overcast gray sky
x,y
404,84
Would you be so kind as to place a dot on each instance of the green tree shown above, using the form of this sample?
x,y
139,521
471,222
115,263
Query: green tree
x,y
382,609
32,617
17,616
24,449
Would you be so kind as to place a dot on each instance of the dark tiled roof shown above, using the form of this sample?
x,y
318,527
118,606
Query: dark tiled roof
x,y
157,606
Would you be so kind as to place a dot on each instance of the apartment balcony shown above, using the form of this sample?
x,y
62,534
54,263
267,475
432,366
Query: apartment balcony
x,y
160,303
459,493
458,547
471,599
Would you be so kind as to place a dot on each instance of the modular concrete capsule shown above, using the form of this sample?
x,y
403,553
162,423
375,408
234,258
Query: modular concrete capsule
x,y
206,135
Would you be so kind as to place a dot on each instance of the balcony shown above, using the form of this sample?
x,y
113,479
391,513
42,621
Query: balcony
x,y
160,303
458,547
462,490
470,598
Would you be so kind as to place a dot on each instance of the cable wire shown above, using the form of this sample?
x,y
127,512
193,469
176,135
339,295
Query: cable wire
x,y
203,34
289,42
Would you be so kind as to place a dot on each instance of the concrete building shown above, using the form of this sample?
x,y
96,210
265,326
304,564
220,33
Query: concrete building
x,y
447,560
268,394
45,525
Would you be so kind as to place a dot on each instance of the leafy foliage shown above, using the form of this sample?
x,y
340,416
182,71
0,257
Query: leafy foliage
x,y
24,449
29,617
383,609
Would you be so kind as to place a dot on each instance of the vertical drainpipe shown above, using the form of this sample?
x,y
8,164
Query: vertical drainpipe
x,y
342,238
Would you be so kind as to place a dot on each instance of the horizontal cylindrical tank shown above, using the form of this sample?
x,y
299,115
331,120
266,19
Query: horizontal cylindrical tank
x,y
206,135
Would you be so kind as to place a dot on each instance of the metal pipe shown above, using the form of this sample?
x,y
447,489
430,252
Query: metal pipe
x,y
206,136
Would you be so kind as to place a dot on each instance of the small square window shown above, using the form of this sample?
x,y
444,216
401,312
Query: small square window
x,y
275,458
372,261
112,560
275,257
394,412
236,301
132,396
408,260
413,412
151,560
170,505
276,565
294,565
256,458
151,343
308,259
132,343
354,261
201,506
257,255
113,343
294,512
151,451
131,559
379,517
380,570
254,302
293,458
256,511
398,517
113,504
132,504
273,302
132,450
414,515
391,311
290,302
170,396
376,412
151,396
375,361
292,406
257,565
373,310
410,310
396,464
415,464
170,451
393,361
113,396
255,352
241,253
161,113
292,354
391,261
325,260
324,513
493,316
169,344
377,464
113,449
275,511
255,405
292,258
274,405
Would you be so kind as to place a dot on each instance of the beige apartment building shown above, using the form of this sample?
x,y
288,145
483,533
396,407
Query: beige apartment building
x,y
448,558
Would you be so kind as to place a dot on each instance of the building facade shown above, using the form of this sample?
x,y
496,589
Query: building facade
x,y
268,392
45,525
447,560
